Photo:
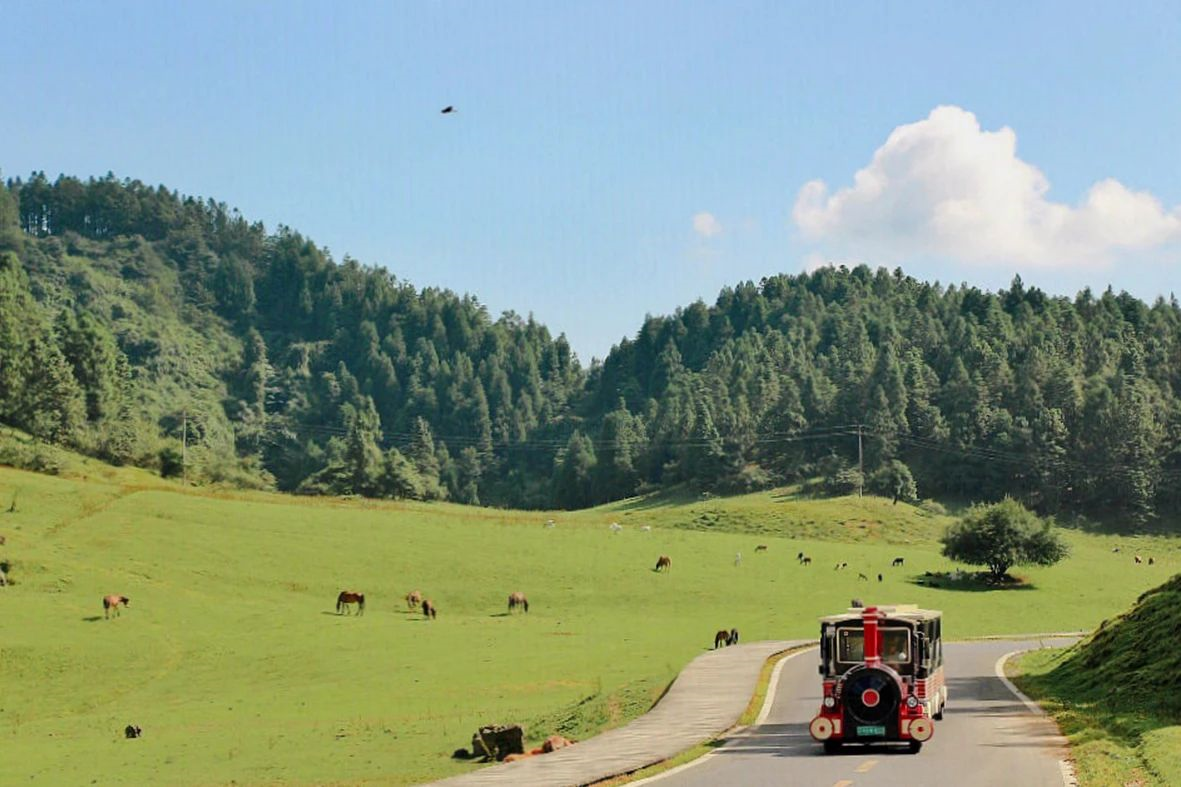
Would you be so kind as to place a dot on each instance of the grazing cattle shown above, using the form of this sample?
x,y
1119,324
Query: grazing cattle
x,y
1151,561
414,599
1137,558
132,731
898,561
879,577
761,548
805,561
428,609
347,597
518,600
112,603
861,577
663,562
856,603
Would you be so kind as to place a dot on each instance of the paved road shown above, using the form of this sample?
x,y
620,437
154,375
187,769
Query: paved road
x,y
988,737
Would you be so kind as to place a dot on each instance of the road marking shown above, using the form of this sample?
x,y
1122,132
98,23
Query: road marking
x,y
843,783
773,684
1069,779
866,766
768,701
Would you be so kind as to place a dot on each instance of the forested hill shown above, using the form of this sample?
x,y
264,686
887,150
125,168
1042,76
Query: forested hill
x,y
132,318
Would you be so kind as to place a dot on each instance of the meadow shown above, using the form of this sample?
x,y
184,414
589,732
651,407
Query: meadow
x,y
233,661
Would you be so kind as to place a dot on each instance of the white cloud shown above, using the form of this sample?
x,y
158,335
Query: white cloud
x,y
706,224
943,186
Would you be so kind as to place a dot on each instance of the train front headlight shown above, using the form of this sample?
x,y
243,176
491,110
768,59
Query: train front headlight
x,y
912,702
829,702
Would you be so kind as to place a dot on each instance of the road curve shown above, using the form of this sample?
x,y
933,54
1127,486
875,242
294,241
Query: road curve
x,y
988,736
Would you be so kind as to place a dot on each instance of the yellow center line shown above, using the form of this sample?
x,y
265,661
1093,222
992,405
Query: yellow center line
x,y
866,766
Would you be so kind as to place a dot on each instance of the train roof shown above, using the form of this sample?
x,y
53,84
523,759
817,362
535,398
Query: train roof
x,y
908,612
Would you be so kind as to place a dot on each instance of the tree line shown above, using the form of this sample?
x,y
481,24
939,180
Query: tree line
x,y
131,314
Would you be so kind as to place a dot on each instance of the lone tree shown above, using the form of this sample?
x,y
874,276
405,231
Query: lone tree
x,y
1003,535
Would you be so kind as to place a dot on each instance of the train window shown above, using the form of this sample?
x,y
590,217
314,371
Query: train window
x,y
895,646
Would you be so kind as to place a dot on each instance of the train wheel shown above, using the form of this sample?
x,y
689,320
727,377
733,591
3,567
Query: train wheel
x,y
916,747
832,747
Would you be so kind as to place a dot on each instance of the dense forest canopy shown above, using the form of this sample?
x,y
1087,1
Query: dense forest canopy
x,y
132,318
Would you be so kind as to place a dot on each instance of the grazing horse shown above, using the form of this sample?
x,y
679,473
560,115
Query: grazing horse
x,y
805,561
113,602
132,731
1151,561
898,562
413,599
856,603
428,609
1137,558
862,577
347,597
879,577
839,566
663,562
732,639
761,548
800,556
518,600
721,638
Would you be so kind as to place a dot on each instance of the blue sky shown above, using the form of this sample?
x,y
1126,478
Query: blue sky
x,y
614,159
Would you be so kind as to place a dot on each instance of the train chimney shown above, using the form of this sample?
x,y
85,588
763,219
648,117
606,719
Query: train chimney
x,y
870,618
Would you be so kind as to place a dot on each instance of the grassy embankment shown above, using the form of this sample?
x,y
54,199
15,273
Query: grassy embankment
x,y
233,661
1117,695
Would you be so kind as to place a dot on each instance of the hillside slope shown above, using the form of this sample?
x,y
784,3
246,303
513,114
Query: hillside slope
x,y
1117,694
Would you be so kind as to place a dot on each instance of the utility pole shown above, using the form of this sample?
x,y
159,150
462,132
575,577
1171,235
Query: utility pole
x,y
860,463
184,448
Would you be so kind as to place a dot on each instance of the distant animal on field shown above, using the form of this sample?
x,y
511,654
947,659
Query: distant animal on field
x,y
132,731
3,578
1137,559
414,599
898,561
1151,561
663,562
839,566
879,577
646,528
1115,549
761,548
856,603
112,603
733,639
549,523
862,577
799,556
805,561
428,609
616,527
347,597
721,638
518,600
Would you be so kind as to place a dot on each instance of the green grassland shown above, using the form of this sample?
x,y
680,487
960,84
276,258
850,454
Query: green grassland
x,y
232,659
1117,694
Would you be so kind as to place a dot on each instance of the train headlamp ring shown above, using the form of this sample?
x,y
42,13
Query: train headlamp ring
x,y
912,701
829,702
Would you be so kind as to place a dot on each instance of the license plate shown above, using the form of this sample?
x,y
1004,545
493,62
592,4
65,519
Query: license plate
x,y
871,731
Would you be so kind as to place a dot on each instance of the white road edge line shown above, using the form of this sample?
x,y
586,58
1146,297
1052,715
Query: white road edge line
x,y
1069,778
768,701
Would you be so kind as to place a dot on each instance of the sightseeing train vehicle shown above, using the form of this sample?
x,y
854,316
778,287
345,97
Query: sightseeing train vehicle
x,y
883,677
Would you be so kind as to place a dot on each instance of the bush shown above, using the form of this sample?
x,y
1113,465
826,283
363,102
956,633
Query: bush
x,y
1003,535
933,507
894,480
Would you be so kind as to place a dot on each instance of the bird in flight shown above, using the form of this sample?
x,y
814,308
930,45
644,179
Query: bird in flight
x,y
447,110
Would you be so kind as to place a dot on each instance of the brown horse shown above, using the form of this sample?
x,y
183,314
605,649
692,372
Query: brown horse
x,y
413,599
724,637
113,602
663,562
347,597
518,600
428,609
